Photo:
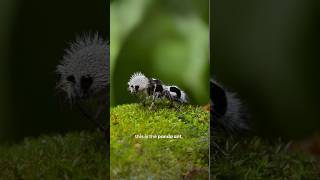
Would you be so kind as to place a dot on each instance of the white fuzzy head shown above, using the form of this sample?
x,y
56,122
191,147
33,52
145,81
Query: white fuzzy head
x,y
83,71
138,83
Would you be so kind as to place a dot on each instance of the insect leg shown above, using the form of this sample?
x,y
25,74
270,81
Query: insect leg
x,y
143,101
90,117
154,95
153,100
168,96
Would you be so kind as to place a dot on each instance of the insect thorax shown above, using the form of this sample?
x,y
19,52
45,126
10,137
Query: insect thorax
x,y
155,86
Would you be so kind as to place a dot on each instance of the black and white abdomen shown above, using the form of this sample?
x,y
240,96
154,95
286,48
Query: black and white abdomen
x,y
176,94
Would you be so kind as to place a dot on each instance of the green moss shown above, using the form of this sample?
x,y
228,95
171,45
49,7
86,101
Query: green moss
x,y
171,158
257,158
83,155
73,156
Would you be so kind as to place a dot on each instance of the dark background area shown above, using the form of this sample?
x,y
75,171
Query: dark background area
x,y
34,35
268,52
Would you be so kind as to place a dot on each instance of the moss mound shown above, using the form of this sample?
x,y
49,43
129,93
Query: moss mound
x,y
165,143
79,155
257,158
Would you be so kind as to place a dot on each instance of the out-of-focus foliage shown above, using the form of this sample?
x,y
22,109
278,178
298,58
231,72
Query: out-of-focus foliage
x,y
168,40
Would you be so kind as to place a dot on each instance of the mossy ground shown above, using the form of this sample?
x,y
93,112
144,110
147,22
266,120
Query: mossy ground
x,y
153,158
78,155
257,158
83,155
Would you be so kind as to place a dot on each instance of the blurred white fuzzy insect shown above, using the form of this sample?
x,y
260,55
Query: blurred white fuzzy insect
x,y
83,74
139,84
228,112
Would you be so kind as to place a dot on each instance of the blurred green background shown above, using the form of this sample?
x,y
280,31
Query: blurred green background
x,y
33,35
167,39
268,51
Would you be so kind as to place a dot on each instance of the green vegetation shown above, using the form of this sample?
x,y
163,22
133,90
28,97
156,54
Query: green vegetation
x,y
255,158
82,155
166,39
171,158
79,155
